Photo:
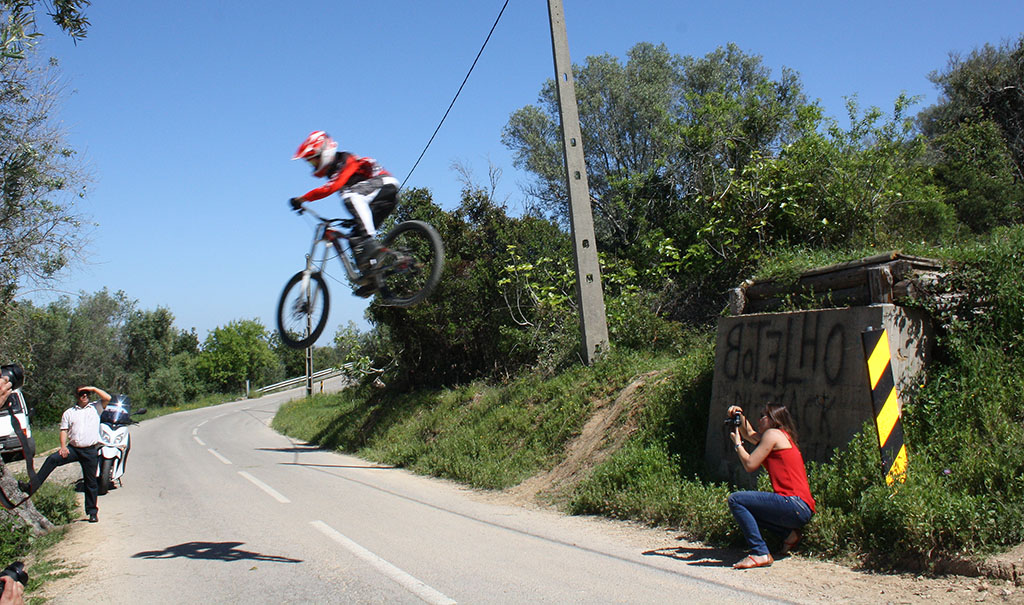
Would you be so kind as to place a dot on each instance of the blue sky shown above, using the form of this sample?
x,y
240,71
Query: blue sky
x,y
186,113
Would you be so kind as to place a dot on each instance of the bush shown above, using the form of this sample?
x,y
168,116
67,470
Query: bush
x,y
165,387
633,323
15,538
963,428
56,502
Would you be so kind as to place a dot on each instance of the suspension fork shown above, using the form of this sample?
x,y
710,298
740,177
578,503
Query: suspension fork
x,y
312,267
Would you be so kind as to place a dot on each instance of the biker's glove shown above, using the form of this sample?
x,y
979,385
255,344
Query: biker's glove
x,y
296,204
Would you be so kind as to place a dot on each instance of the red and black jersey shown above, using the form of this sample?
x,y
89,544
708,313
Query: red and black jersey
x,y
347,170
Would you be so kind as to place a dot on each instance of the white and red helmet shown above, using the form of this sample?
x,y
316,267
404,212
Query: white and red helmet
x,y
318,149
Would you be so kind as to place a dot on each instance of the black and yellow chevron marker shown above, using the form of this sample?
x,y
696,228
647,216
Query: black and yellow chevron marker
x,y
885,401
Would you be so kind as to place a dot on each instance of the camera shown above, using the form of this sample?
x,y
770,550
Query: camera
x,y
15,571
735,420
15,374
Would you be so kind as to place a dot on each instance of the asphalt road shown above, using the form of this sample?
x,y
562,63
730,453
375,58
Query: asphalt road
x,y
218,508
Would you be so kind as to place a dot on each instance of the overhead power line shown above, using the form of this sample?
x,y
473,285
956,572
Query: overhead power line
x,y
500,13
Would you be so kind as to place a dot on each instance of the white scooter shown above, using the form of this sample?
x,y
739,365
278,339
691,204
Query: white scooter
x,y
114,441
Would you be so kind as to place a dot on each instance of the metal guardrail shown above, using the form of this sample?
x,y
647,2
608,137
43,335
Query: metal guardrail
x,y
294,382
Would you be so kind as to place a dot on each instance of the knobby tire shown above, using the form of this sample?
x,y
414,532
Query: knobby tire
x,y
411,267
298,309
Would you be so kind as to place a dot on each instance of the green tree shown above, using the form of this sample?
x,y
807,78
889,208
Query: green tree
x,y
235,353
39,178
18,30
65,345
731,112
38,224
976,169
660,134
625,112
987,85
149,339
462,332
292,362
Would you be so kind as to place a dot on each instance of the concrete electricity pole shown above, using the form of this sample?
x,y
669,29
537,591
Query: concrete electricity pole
x,y
589,295
309,358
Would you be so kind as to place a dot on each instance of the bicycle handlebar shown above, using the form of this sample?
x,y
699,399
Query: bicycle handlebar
x,y
342,221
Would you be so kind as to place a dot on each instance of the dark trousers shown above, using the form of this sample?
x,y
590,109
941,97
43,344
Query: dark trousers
x,y
85,456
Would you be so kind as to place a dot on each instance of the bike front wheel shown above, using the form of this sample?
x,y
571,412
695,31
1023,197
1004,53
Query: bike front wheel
x,y
410,266
302,310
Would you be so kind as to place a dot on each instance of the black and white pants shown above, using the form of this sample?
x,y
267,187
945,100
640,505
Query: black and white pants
x,y
371,201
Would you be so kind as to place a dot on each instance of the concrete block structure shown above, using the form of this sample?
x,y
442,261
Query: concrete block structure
x,y
813,362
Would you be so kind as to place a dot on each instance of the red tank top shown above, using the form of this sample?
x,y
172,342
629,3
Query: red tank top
x,y
788,474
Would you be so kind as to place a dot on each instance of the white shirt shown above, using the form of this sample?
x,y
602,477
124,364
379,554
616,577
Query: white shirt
x,y
82,425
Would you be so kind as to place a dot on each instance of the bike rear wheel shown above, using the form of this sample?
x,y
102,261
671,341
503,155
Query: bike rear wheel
x,y
410,267
302,310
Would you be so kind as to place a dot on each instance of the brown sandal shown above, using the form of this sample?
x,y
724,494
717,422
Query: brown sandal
x,y
750,563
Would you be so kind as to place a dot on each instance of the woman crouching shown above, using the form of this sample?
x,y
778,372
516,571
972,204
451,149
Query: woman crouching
x,y
787,510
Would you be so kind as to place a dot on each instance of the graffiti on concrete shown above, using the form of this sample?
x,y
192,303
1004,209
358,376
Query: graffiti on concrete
x,y
812,362
791,352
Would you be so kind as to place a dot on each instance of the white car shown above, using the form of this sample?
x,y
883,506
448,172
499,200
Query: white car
x,y
9,442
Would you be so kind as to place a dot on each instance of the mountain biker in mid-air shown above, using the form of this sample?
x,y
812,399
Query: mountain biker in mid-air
x,y
370,193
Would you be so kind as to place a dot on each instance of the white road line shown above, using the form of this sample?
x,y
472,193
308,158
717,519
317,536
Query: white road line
x,y
198,440
276,495
218,456
408,582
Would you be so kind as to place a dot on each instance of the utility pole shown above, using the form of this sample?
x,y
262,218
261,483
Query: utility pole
x,y
309,358
589,294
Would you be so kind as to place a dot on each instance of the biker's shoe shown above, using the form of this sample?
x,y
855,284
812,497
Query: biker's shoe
x,y
365,249
366,291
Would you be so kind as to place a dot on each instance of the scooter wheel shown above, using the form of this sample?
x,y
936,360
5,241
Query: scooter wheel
x,y
105,479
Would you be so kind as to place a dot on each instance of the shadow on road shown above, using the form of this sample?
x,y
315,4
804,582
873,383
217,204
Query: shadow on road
x,y
211,551
371,467
295,449
704,557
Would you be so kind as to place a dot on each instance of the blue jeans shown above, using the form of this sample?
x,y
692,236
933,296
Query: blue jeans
x,y
779,514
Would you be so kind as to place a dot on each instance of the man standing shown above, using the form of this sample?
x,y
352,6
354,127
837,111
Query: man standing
x,y
79,441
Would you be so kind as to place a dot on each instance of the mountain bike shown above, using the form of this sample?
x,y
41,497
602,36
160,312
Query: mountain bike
x,y
406,270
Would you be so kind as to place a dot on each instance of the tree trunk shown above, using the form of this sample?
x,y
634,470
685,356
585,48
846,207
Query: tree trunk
x,y
27,512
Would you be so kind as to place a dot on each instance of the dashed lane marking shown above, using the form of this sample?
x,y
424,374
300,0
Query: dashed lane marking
x,y
276,495
408,582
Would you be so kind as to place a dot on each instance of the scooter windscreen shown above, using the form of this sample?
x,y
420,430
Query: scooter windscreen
x,y
118,411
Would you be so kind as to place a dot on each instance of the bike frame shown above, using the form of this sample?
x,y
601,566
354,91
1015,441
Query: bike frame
x,y
330,239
